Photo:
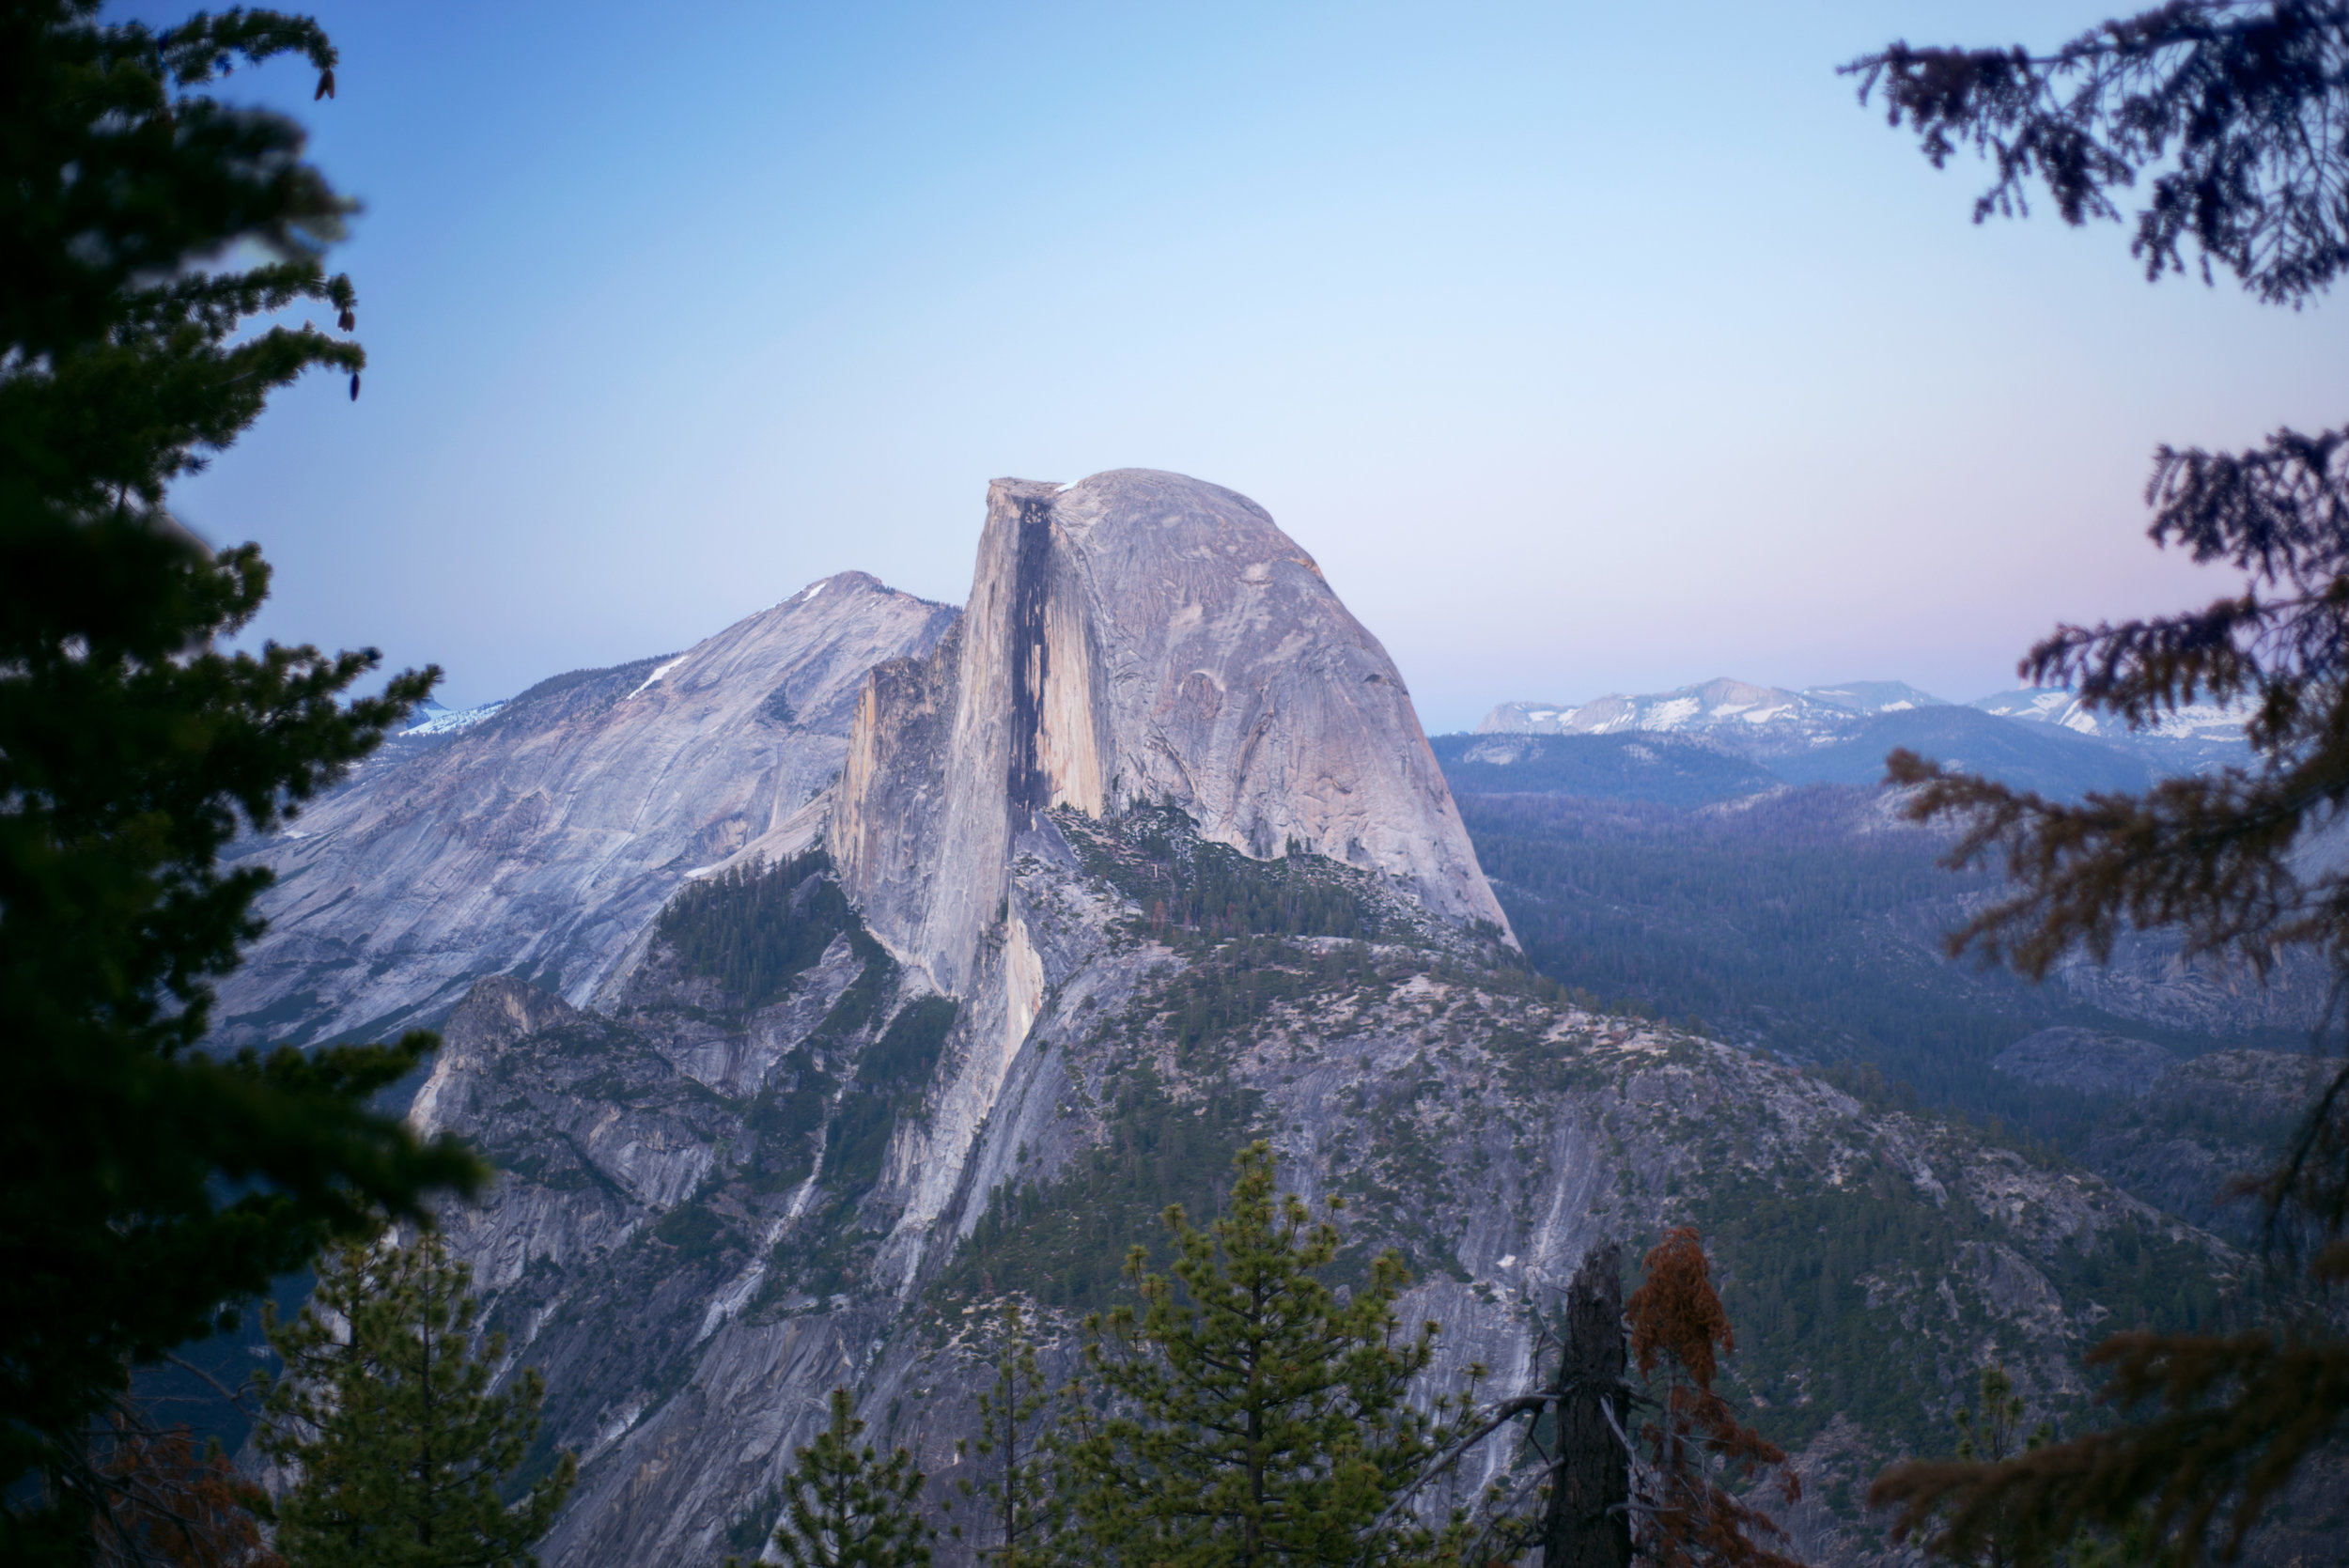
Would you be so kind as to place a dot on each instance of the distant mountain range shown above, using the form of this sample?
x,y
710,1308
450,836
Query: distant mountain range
x,y
1694,771
1729,738
2195,737
1747,717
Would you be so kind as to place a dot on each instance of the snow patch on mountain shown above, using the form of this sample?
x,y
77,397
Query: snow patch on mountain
x,y
1738,714
1767,721
2058,705
434,720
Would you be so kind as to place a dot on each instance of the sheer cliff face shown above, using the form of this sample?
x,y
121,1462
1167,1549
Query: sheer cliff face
x,y
542,841
1138,636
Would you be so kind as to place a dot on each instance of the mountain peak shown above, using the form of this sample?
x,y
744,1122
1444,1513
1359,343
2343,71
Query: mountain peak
x,y
1133,638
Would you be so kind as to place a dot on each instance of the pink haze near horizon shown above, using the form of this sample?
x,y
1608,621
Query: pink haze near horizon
x,y
1588,347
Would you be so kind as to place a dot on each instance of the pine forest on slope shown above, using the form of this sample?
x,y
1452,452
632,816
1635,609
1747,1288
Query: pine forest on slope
x,y
1807,923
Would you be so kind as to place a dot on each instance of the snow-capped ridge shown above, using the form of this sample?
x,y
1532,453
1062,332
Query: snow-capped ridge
x,y
1814,713
1769,722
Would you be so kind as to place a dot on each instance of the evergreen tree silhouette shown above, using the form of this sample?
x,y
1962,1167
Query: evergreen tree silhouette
x,y
1255,1415
1020,1512
846,1507
385,1410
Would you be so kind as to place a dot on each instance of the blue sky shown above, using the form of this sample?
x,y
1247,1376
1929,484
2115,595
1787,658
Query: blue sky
x,y
1588,347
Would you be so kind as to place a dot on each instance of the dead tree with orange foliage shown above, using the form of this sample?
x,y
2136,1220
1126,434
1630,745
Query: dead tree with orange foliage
x,y
162,1498
1688,1518
1608,1496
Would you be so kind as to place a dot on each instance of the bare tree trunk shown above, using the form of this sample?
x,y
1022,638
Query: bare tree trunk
x,y
1588,1523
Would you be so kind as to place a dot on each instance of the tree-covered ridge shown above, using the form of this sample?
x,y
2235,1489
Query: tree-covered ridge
x,y
1809,925
1170,1115
1479,1120
756,928
1667,769
1191,891
1871,1254
1065,1242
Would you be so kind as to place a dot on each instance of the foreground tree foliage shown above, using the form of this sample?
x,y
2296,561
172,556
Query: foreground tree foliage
x,y
173,1499
2237,114
1255,1415
846,1507
384,1413
2231,106
151,1181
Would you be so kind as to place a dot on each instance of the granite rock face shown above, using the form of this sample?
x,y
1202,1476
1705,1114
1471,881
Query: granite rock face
x,y
541,841
2204,1125
1137,637
699,1235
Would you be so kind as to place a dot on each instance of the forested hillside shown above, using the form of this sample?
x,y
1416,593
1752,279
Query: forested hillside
x,y
1807,921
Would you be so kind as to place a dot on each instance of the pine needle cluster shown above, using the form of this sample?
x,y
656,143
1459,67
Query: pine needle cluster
x,y
1253,1414
386,1414
2234,114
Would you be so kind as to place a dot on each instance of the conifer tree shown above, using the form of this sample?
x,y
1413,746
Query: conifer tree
x,y
1255,1415
1990,1431
1694,1442
386,1409
2232,118
846,1507
1018,1515
1994,1429
143,223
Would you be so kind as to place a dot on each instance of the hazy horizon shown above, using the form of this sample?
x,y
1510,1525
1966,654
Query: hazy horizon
x,y
1432,727
1588,351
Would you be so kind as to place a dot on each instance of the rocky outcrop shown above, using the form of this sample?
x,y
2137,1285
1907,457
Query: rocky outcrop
x,y
540,841
690,1325
2188,1136
2087,1060
1137,637
2149,979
